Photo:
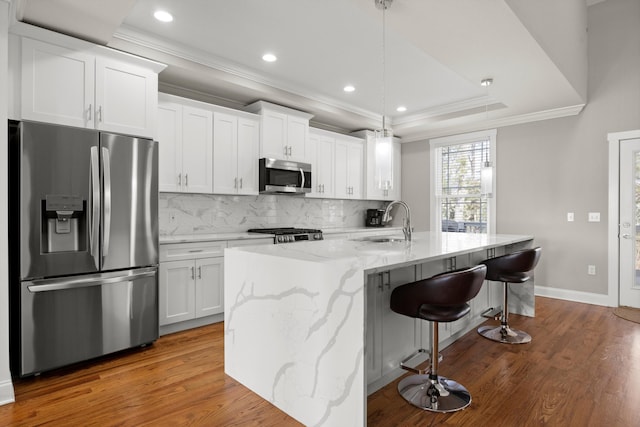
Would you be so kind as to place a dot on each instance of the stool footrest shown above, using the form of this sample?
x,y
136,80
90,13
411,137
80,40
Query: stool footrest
x,y
492,313
424,356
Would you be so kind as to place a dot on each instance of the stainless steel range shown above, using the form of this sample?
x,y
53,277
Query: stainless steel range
x,y
290,234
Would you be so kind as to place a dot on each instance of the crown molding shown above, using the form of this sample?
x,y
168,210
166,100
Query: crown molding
x,y
493,123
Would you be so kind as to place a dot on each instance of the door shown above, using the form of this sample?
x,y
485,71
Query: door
x,y
57,84
177,291
129,227
248,140
197,150
170,146
629,235
209,286
59,199
225,154
71,319
126,98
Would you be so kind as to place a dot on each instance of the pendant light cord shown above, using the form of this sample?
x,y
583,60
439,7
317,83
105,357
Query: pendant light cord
x,y
384,63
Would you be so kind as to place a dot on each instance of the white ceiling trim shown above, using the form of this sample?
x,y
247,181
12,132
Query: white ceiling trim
x,y
496,123
127,34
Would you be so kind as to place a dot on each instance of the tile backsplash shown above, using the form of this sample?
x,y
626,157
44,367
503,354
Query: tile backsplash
x,y
210,213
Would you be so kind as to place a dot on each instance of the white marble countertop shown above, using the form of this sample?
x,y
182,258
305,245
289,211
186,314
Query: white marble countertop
x,y
383,255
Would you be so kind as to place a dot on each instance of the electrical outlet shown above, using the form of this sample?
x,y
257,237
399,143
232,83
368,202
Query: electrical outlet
x,y
570,216
594,216
591,270
172,217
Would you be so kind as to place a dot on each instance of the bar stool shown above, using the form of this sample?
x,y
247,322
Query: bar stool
x,y
511,268
441,298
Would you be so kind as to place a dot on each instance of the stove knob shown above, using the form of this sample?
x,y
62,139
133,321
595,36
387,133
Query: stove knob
x,y
280,239
317,236
291,239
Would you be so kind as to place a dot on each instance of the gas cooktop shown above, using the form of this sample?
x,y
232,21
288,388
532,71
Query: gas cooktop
x,y
290,234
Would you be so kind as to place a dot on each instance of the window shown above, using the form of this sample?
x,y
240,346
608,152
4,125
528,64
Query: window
x,y
462,192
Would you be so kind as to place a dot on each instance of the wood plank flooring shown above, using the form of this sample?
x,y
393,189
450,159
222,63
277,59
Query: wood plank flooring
x,y
581,369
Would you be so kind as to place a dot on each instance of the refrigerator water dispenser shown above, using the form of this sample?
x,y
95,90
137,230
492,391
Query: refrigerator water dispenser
x,y
63,223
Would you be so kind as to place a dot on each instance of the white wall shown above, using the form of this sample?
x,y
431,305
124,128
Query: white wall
x,y
549,168
6,387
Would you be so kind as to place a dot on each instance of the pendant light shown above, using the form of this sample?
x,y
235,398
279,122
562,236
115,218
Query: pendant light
x,y
383,138
486,173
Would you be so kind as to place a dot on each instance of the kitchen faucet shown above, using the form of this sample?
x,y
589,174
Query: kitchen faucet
x,y
406,223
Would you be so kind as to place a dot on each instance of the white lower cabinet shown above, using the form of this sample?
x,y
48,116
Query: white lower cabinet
x,y
390,337
191,281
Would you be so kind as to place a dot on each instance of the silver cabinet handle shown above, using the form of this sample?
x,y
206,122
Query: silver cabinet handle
x,y
285,150
193,273
200,272
290,150
240,182
186,180
95,207
235,182
90,112
99,114
179,180
106,185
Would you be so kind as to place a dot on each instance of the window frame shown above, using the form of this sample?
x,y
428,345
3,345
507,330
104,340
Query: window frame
x,y
435,205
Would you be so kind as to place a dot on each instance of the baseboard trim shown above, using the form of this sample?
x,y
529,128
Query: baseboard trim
x,y
6,392
575,296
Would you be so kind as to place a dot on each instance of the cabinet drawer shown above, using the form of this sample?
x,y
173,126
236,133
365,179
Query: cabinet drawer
x,y
182,251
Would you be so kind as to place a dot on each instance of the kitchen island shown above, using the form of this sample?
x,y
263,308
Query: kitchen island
x,y
306,323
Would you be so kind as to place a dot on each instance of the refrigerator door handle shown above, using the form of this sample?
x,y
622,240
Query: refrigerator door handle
x,y
106,173
45,285
95,207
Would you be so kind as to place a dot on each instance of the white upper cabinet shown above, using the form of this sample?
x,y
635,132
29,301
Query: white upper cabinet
x,y
185,138
349,164
235,154
284,133
95,88
322,152
372,192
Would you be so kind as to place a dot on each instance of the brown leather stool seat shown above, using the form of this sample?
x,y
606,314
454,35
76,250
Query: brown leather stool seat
x,y
515,267
441,298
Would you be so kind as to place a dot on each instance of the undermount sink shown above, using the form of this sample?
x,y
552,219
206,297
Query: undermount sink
x,y
379,239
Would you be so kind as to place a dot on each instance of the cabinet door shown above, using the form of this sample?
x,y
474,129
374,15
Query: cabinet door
x,y
225,153
197,147
341,189
274,135
248,141
209,297
57,85
324,171
177,291
126,98
373,333
356,169
170,146
400,337
297,137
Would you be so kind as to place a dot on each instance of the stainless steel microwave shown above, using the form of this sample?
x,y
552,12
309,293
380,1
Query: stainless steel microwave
x,y
284,177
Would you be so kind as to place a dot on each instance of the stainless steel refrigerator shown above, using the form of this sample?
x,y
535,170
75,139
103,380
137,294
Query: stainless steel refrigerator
x,y
83,242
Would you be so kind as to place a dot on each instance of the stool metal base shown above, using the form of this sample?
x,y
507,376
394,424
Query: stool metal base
x,y
504,334
441,395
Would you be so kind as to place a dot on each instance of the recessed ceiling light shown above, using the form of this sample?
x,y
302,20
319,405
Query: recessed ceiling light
x,y
349,88
163,16
401,109
269,57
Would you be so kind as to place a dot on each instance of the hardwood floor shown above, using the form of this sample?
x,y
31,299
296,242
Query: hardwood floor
x,y
581,369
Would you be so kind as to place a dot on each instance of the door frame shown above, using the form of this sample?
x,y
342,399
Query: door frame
x,y
615,139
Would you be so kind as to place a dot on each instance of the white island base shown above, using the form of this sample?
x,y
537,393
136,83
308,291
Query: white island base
x,y
308,328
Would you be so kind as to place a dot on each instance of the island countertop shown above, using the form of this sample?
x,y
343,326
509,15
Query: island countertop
x,y
373,256
296,315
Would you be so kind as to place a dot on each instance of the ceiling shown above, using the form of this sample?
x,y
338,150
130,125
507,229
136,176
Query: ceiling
x,y
436,54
